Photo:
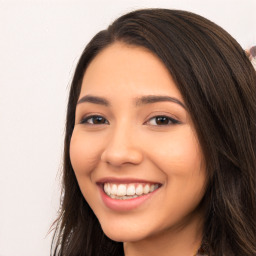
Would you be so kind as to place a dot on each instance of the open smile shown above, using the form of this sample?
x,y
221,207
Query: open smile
x,y
124,196
128,191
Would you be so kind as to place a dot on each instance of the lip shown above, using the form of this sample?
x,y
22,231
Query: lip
x,y
128,204
124,181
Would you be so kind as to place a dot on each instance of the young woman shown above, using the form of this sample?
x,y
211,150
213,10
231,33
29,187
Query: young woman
x,y
160,146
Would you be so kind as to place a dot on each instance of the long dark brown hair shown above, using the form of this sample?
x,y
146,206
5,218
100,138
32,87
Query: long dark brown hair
x,y
218,85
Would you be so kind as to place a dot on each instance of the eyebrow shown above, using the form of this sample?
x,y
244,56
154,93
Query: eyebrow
x,y
149,99
157,98
95,100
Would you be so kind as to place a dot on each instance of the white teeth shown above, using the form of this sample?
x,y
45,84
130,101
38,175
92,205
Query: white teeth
x,y
152,188
107,188
114,189
146,189
128,191
121,190
139,190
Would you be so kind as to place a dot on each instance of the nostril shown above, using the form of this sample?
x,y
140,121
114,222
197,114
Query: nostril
x,y
122,156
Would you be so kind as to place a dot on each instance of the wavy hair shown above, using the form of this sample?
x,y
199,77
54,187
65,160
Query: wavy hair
x,y
218,85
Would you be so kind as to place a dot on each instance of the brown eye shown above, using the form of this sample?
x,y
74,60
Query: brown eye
x,y
162,120
94,120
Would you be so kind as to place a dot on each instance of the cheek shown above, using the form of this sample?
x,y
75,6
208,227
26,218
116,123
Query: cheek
x,y
180,159
84,157
84,153
178,153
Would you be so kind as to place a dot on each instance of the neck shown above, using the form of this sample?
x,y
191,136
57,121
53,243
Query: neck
x,y
179,241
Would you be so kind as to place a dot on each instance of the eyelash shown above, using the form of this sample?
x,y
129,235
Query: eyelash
x,y
85,120
171,121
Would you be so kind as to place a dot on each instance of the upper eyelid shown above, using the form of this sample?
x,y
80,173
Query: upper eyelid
x,y
163,114
174,120
87,117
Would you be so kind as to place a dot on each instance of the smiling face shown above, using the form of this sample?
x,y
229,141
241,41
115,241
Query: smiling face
x,y
134,139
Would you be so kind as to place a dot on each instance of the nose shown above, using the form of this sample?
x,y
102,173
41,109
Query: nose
x,y
122,148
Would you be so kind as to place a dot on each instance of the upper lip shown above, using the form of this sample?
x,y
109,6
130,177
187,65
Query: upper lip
x,y
124,180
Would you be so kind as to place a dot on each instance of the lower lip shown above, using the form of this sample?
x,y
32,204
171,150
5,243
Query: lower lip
x,y
125,205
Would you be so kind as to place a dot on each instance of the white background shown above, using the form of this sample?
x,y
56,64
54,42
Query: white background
x,y
40,43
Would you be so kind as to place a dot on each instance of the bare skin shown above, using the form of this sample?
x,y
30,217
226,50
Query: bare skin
x,y
132,124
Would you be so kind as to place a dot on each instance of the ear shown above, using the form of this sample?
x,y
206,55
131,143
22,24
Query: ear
x,y
251,53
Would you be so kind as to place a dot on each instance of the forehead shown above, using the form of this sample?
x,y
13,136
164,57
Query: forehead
x,y
128,70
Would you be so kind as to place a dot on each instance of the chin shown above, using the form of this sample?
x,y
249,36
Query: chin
x,y
124,237
122,234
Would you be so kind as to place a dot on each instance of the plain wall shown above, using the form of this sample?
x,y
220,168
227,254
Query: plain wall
x,y
40,43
